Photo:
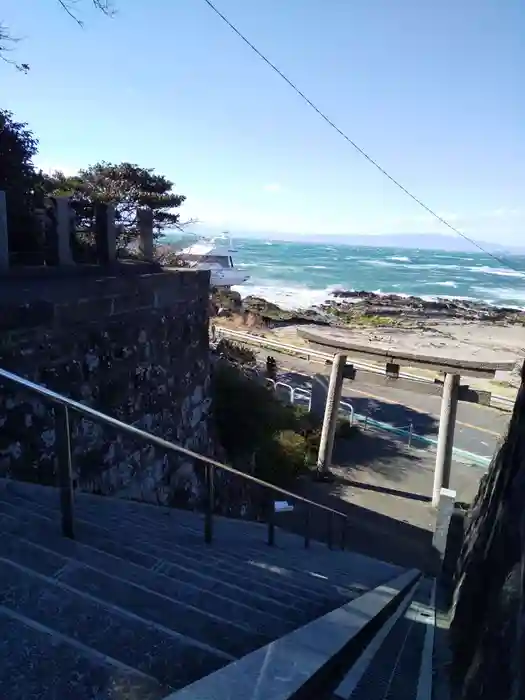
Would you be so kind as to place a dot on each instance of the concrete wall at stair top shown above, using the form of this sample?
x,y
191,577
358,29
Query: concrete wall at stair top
x,y
132,342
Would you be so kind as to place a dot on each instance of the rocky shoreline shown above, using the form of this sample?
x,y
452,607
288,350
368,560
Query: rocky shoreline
x,y
350,308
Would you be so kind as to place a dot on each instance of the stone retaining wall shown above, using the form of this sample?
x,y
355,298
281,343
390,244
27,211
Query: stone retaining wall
x,y
133,343
488,627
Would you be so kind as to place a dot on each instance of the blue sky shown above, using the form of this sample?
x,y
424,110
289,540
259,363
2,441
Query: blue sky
x,y
432,89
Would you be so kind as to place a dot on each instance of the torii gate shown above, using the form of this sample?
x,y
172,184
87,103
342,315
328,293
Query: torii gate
x,y
341,343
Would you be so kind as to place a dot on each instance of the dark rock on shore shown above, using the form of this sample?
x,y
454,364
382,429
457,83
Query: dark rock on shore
x,y
364,308
274,315
228,302
370,303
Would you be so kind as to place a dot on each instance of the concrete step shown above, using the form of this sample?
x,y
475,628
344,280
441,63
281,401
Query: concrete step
x,y
304,589
188,621
44,534
153,649
100,538
392,671
165,531
38,663
338,568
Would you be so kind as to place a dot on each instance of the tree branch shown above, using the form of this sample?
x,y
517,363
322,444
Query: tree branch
x,y
5,40
105,6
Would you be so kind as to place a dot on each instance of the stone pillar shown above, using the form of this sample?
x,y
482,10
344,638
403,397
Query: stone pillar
x,y
318,395
447,501
447,424
105,233
4,237
63,229
145,222
333,398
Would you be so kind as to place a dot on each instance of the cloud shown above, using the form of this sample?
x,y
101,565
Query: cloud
x,y
504,213
50,168
272,187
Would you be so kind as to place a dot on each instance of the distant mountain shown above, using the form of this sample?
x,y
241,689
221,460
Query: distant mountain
x,y
422,241
414,241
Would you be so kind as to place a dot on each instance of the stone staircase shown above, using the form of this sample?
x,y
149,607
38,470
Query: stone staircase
x,y
138,607
395,665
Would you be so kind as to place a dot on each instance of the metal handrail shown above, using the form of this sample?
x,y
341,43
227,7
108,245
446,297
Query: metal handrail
x,y
65,466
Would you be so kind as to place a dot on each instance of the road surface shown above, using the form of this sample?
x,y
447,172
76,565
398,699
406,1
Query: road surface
x,y
478,428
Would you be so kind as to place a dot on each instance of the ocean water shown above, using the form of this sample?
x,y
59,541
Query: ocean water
x,y
300,275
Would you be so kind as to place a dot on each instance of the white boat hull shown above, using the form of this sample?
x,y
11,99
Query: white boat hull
x,y
215,256
227,278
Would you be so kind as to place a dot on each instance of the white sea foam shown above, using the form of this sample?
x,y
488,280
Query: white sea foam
x,y
431,266
411,265
379,263
447,297
288,297
500,271
448,283
497,295
400,258
317,267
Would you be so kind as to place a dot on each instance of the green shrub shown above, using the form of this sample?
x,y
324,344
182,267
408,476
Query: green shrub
x,y
251,420
282,459
247,413
234,352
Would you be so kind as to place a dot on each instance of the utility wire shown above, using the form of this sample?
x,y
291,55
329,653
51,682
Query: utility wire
x,y
353,143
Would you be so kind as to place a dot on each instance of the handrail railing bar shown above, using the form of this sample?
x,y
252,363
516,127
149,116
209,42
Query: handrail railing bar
x,y
148,437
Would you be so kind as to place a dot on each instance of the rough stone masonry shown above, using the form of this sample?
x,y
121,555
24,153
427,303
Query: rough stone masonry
x,y
488,627
131,341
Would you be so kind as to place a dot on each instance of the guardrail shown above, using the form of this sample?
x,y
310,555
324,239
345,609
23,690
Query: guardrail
x,y
407,432
65,466
501,402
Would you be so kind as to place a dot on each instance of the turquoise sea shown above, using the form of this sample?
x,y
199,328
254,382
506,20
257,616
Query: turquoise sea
x,y
299,275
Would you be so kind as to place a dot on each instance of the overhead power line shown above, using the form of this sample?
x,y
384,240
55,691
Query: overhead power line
x,y
353,143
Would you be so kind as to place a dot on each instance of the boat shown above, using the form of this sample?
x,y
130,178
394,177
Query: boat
x,y
215,255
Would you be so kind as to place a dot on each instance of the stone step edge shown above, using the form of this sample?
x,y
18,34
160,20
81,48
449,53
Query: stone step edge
x,y
26,537
293,543
122,612
124,543
30,488
83,566
24,491
147,528
300,664
81,648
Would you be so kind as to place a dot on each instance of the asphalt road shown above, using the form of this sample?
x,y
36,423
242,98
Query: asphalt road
x,y
478,428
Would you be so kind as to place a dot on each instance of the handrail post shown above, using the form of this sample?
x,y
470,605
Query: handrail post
x,y
307,528
410,432
209,474
330,531
64,464
271,522
4,237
